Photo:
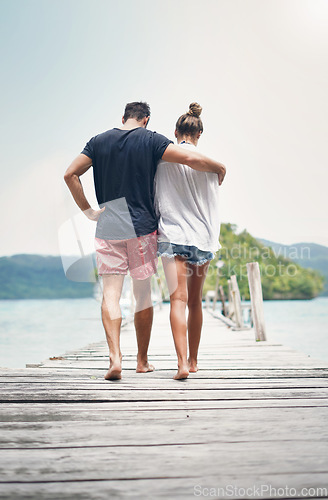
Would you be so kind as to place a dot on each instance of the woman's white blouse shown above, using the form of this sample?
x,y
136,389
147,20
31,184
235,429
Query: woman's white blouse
x,y
187,203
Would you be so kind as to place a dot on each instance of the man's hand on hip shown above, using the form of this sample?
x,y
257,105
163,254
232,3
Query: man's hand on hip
x,y
93,214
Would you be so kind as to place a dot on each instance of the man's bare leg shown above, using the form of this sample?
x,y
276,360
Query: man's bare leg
x,y
176,277
143,321
195,282
112,319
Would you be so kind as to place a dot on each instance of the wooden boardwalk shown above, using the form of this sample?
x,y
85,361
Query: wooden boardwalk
x,y
254,416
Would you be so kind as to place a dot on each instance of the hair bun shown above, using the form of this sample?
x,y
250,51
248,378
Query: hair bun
x,y
195,109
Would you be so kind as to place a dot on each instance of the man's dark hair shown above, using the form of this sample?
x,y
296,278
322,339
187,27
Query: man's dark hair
x,y
137,110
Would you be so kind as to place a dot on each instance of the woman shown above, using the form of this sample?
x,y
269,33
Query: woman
x,y
189,227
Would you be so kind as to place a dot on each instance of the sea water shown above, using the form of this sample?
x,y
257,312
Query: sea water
x,y
300,324
33,330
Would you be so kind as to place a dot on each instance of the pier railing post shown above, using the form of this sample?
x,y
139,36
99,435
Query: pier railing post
x,y
230,300
236,302
222,297
255,288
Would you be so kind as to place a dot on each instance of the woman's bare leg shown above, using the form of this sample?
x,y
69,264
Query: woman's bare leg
x,y
195,283
176,277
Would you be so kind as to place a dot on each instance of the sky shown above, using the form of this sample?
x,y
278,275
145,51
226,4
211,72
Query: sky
x,y
258,68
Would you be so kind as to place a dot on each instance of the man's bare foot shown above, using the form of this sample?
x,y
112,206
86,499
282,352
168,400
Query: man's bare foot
x,y
144,368
115,371
182,373
193,368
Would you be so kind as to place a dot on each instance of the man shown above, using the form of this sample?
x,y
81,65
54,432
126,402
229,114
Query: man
x,y
124,162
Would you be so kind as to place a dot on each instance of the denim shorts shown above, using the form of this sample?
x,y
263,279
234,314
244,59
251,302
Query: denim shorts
x,y
192,254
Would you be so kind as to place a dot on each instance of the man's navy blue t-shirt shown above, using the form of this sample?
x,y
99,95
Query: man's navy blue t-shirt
x,y
124,166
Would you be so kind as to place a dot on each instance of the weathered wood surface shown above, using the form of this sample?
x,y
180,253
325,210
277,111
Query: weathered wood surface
x,y
255,414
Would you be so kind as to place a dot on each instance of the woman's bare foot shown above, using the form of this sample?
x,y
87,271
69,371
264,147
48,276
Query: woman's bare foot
x,y
182,373
115,370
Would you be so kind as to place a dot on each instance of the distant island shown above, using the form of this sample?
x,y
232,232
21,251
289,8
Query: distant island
x,y
308,255
283,277
38,277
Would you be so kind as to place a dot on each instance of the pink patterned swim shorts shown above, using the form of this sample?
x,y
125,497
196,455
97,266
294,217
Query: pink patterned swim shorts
x,y
137,255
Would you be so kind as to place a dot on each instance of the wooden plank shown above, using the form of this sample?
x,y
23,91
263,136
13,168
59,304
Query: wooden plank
x,y
298,457
235,373
112,393
74,412
234,427
183,487
173,406
163,384
213,365
224,351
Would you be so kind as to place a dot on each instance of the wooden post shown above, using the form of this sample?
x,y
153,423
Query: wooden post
x,y
208,297
230,300
222,297
237,302
255,288
215,298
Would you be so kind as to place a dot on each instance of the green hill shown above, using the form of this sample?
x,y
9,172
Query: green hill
x,y
38,277
308,255
282,278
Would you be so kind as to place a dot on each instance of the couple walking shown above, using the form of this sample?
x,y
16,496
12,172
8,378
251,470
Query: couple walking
x,y
155,199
